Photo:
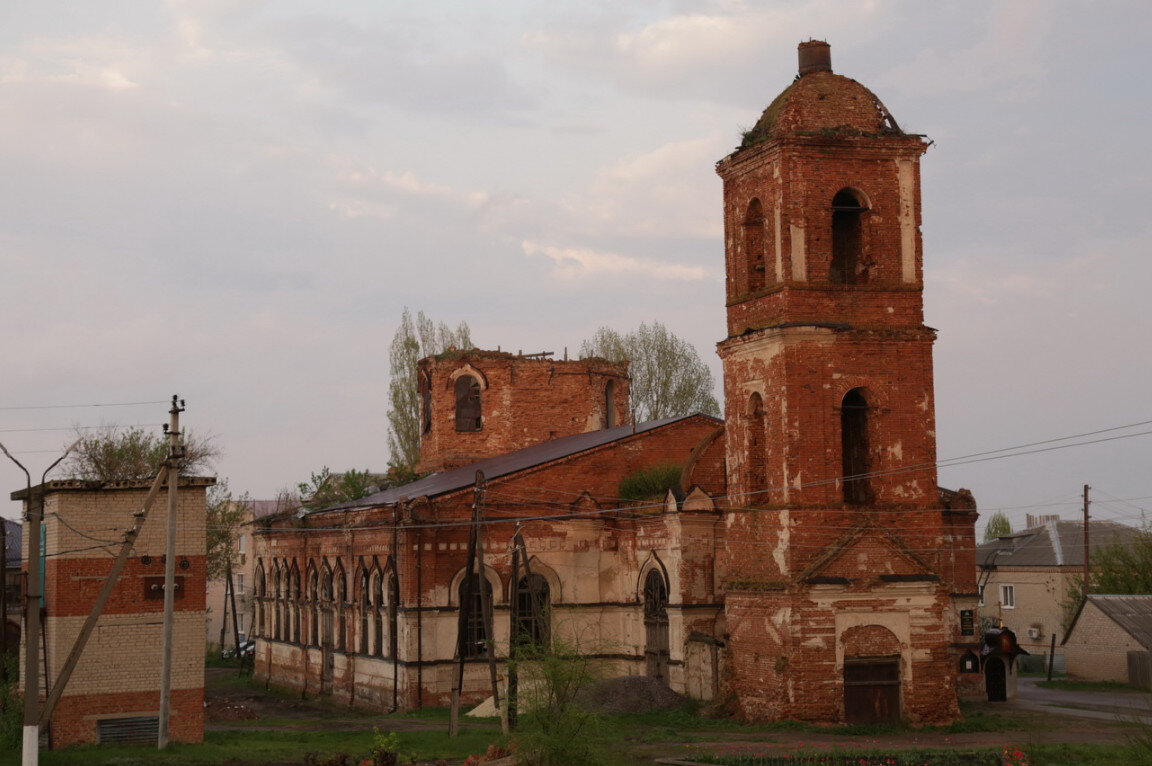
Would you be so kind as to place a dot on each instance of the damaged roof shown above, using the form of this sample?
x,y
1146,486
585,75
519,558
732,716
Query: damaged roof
x,y
508,463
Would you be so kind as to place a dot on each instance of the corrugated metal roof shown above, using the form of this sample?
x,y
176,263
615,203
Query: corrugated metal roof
x,y
511,462
1132,613
1055,543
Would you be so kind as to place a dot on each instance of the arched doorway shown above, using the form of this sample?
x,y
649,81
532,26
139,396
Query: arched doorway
x,y
996,679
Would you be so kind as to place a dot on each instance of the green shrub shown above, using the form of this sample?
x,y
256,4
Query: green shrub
x,y
651,483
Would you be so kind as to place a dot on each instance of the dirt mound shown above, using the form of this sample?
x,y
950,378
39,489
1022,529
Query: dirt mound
x,y
228,710
629,694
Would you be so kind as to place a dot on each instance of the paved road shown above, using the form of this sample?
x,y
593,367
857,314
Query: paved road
x,y
1108,706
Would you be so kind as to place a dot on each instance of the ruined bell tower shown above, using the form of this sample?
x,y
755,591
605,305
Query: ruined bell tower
x,y
839,563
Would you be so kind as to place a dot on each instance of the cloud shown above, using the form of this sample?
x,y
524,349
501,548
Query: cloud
x,y
582,263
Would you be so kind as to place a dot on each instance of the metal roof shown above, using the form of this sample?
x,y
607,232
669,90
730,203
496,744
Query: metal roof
x,y
1052,544
1132,613
508,463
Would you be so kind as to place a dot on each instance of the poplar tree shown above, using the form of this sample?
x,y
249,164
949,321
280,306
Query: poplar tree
x,y
414,339
668,378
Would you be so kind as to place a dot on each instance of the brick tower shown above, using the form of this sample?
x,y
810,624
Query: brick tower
x,y
478,404
840,570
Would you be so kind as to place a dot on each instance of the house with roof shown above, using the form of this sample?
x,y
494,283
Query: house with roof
x,y
1024,577
1110,640
800,561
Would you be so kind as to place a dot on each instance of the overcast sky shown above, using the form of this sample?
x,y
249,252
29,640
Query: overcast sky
x,y
234,201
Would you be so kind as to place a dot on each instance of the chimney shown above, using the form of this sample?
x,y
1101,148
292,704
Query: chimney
x,y
815,56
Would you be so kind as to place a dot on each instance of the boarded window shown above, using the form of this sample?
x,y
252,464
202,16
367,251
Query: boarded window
x,y
854,447
393,607
847,239
467,403
610,404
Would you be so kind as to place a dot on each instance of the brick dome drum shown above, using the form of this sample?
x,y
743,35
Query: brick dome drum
x,y
820,102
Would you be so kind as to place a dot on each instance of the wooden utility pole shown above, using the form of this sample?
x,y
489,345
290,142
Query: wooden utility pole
x,y
1086,548
486,598
174,456
466,596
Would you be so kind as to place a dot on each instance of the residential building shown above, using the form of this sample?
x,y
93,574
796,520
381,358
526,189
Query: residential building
x,y
1110,639
1025,578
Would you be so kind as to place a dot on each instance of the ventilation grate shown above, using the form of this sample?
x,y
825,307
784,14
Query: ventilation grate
x,y
142,730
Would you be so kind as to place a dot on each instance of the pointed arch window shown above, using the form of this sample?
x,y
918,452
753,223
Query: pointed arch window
x,y
848,211
365,608
378,614
468,415
295,603
261,599
313,608
474,634
340,586
277,596
854,448
533,611
753,229
393,607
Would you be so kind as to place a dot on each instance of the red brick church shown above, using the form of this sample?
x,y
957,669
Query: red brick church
x,y
805,565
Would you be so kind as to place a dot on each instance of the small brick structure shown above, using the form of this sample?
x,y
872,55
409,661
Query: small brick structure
x,y
116,684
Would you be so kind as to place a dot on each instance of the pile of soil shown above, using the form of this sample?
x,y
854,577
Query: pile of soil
x,y
216,710
629,694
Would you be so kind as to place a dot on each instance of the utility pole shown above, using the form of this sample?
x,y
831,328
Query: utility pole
x,y
175,453
32,598
486,600
1086,548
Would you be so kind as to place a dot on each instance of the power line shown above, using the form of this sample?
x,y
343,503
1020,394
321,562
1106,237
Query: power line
x,y
77,406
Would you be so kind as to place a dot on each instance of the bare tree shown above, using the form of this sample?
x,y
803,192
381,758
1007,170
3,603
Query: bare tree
x,y
414,340
668,376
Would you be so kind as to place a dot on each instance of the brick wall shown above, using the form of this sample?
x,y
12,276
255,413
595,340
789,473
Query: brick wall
x,y
118,674
1097,649
523,401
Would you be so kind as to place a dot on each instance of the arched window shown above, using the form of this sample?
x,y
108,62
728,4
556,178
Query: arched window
x,y
261,599
393,608
854,447
533,607
378,614
313,632
610,404
847,239
295,603
277,596
365,608
757,452
467,403
474,637
326,608
754,245
656,644
341,594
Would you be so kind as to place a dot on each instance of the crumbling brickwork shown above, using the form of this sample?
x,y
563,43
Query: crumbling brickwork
x,y
518,401
834,509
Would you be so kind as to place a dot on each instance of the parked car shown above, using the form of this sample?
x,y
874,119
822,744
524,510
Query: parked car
x,y
247,649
